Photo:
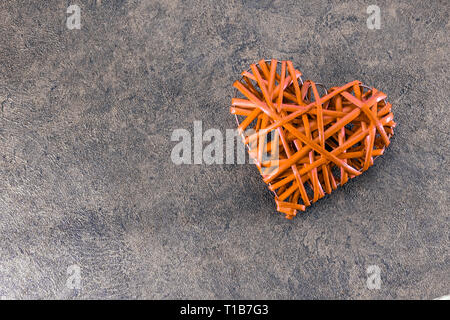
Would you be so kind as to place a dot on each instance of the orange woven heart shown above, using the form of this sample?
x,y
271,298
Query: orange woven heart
x,y
316,141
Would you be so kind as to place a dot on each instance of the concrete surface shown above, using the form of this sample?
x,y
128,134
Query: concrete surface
x,y
86,177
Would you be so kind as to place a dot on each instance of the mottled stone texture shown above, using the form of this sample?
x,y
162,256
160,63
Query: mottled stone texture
x,y
86,176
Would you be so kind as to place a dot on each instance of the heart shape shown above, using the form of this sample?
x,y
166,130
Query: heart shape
x,y
317,142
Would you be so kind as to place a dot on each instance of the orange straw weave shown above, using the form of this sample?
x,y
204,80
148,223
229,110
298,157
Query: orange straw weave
x,y
322,140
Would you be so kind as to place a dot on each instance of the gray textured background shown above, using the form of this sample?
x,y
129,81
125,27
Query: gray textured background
x,y
85,170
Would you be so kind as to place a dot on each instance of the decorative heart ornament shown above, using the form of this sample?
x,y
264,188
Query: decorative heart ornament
x,y
306,144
